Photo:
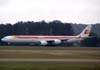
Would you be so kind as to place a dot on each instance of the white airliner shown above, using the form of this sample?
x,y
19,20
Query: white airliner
x,y
45,40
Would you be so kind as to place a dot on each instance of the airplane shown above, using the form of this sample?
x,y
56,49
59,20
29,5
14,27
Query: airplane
x,y
45,40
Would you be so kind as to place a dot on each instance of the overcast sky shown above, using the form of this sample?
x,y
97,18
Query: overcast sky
x,y
75,11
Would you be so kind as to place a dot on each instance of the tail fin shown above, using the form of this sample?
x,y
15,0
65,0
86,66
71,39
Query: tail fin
x,y
86,31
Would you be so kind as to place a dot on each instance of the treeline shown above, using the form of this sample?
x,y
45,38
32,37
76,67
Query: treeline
x,y
41,28
36,28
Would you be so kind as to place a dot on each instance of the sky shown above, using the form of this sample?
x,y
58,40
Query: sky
x,y
72,11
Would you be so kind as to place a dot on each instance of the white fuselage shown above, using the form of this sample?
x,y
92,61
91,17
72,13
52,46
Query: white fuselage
x,y
35,39
23,38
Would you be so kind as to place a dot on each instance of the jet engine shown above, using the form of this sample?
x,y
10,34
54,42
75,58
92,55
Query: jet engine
x,y
43,43
57,41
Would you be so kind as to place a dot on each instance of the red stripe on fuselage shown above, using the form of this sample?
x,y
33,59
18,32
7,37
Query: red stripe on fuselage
x,y
46,37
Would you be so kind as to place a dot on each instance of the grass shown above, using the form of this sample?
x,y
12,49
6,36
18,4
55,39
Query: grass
x,y
48,54
48,66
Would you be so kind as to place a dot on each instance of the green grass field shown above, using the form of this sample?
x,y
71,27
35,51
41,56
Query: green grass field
x,y
49,52
48,66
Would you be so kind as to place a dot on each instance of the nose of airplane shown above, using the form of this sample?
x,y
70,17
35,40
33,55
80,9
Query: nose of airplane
x,y
3,39
6,38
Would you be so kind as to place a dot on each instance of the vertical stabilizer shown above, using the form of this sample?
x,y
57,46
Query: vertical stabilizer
x,y
86,31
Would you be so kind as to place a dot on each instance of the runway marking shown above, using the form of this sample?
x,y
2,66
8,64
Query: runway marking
x,y
50,60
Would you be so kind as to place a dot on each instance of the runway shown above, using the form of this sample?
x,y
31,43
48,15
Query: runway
x,y
65,51
49,60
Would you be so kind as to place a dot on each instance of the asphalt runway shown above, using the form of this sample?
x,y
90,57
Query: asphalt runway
x,y
50,60
65,51
46,48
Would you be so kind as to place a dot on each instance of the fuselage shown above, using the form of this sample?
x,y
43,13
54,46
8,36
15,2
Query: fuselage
x,y
30,38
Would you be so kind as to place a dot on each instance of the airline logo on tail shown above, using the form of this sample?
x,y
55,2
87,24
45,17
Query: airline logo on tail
x,y
87,32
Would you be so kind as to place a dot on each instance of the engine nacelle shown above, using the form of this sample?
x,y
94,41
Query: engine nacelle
x,y
43,43
57,41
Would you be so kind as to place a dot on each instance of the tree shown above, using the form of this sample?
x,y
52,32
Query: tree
x,y
91,41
